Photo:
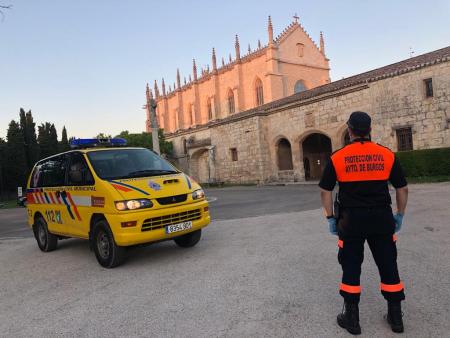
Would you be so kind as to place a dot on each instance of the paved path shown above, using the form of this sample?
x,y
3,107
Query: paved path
x,y
265,276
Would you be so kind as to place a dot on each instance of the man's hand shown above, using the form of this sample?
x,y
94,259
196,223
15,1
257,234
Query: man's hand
x,y
398,217
332,225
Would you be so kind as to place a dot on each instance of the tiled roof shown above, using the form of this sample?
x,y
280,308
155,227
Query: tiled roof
x,y
395,69
398,68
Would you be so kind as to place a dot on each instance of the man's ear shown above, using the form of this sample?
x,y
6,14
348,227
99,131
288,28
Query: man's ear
x,y
350,133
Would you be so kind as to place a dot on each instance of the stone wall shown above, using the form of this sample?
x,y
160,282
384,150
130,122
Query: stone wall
x,y
393,102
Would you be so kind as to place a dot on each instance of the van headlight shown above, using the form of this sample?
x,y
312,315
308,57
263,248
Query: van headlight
x,y
133,204
198,194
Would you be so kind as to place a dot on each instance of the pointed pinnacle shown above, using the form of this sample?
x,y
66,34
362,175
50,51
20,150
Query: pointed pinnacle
x,y
214,60
322,43
270,30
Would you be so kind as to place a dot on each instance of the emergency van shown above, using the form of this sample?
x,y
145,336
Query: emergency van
x,y
115,197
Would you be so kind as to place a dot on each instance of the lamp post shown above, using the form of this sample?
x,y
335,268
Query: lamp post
x,y
151,110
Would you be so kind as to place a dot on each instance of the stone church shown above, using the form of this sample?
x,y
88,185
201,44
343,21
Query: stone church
x,y
274,116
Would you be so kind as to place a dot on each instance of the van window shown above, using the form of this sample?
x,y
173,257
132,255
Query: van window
x,y
79,173
50,173
128,163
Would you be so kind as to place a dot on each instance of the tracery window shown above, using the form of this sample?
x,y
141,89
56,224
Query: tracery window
x,y
209,108
299,87
259,92
230,98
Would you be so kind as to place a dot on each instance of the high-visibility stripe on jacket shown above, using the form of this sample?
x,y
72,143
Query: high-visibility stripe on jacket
x,y
363,161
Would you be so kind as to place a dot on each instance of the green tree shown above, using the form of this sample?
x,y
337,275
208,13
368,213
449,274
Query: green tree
x,y
27,126
2,167
15,158
145,140
102,135
64,144
47,139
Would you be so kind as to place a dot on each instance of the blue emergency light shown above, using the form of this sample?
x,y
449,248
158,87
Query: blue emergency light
x,y
97,142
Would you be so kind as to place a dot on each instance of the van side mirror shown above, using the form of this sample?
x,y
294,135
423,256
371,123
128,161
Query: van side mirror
x,y
75,176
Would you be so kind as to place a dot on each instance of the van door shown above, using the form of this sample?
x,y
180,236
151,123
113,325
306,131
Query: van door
x,y
46,183
79,192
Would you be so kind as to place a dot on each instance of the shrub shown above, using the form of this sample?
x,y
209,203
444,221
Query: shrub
x,y
426,162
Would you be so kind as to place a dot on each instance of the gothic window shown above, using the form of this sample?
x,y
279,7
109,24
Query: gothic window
x,y
259,92
404,139
230,99
300,49
209,108
299,86
193,114
428,87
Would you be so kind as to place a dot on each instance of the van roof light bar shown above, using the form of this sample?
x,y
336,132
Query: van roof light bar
x,y
83,143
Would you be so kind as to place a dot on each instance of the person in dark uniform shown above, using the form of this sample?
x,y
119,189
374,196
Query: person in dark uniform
x,y
363,170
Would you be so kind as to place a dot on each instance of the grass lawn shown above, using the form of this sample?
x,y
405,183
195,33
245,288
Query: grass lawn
x,y
428,179
8,204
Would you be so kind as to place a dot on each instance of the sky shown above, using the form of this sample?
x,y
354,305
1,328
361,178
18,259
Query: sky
x,y
84,64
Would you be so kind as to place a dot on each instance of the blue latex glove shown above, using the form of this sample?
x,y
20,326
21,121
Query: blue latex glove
x,y
398,217
332,225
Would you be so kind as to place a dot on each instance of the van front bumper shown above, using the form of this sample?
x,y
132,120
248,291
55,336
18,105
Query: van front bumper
x,y
143,233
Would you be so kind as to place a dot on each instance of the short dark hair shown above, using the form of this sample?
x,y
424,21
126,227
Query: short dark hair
x,y
360,133
359,123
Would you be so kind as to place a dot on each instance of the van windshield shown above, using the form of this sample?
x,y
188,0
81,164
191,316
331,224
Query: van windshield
x,y
128,163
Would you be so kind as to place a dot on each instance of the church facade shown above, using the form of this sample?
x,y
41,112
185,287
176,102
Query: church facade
x,y
289,139
288,63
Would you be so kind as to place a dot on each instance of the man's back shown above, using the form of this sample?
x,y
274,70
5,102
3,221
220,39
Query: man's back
x,y
363,169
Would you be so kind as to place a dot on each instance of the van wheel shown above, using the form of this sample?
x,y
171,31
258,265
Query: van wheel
x,y
108,253
189,240
45,239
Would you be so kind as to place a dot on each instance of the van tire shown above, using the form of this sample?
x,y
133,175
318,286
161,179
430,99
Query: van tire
x,y
108,253
45,239
189,240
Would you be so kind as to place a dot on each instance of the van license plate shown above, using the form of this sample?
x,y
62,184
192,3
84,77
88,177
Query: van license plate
x,y
178,227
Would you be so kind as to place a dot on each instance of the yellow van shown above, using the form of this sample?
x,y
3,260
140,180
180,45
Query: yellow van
x,y
115,197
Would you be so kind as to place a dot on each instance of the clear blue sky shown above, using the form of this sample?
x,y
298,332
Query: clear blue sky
x,y
85,63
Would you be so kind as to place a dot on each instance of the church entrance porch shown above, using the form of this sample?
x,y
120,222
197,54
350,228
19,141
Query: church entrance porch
x,y
201,165
316,151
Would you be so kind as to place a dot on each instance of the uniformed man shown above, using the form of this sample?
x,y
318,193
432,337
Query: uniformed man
x,y
363,170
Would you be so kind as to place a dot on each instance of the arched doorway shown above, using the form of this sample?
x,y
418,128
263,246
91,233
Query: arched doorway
x,y
316,151
284,155
199,166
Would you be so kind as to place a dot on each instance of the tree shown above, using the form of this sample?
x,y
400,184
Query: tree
x,y
47,139
64,144
145,140
15,158
102,135
2,166
27,126
54,139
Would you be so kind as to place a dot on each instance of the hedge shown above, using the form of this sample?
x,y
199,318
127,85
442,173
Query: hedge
x,y
427,162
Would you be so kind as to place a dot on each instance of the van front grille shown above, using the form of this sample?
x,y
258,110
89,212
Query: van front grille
x,y
172,199
162,221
